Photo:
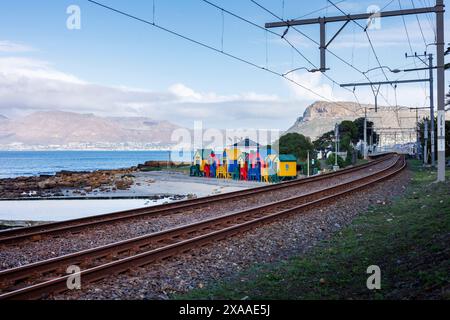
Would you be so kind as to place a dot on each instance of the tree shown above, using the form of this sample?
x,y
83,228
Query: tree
x,y
350,133
332,160
296,144
370,131
349,130
324,141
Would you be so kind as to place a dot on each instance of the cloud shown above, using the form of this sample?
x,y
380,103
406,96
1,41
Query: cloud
x,y
26,68
28,85
318,90
9,47
186,94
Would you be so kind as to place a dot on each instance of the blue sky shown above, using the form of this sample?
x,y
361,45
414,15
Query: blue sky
x,y
116,66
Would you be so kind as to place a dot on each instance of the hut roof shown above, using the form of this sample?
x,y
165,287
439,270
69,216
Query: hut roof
x,y
205,153
272,157
246,143
287,157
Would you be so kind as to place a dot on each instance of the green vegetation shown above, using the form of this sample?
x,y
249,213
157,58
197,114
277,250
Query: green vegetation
x,y
331,160
407,239
295,144
361,161
350,133
299,145
178,168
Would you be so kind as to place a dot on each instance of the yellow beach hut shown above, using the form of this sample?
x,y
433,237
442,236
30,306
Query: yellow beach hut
x,y
287,166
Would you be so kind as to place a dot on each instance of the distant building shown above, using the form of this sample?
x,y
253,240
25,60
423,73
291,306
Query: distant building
x,y
247,145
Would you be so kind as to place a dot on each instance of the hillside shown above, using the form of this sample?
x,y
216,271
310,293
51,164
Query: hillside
x,y
65,128
321,117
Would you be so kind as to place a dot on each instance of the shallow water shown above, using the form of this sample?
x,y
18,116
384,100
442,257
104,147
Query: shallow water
x,y
60,210
32,163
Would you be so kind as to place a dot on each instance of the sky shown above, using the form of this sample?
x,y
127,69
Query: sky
x,y
116,66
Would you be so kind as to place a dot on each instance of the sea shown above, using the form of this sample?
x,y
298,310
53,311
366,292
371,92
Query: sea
x,y
32,163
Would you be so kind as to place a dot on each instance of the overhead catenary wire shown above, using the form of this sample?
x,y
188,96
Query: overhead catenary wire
x,y
154,11
256,26
410,46
385,6
318,10
430,19
420,25
223,28
371,43
317,43
365,29
204,45
294,48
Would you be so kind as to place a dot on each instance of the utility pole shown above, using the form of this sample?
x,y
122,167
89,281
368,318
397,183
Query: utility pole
x,y
336,138
417,134
431,81
438,9
308,163
417,128
425,146
433,139
375,94
365,134
440,88
322,21
371,145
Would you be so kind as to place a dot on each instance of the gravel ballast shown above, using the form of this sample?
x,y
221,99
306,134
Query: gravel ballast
x,y
271,243
25,252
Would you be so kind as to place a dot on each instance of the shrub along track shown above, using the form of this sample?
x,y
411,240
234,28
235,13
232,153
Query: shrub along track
x,y
31,281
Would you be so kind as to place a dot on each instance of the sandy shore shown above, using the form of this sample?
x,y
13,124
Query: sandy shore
x,y
147,189
172,183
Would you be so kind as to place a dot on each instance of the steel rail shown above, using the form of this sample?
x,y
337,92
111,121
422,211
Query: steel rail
x,y
74,225
50,265
243,220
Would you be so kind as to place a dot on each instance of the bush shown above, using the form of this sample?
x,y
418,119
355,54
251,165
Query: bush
x,y
331,161
349,158
296,144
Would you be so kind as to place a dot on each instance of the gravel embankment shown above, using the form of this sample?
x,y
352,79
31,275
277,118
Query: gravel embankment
x,y
225,259
28,252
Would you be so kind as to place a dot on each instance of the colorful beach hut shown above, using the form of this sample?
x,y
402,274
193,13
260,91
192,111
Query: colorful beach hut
x,y
287,166
203,157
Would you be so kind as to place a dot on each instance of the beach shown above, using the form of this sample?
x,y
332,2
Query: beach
x,y
122,190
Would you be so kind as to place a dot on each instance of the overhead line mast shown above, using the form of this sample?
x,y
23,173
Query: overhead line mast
x,y
438,9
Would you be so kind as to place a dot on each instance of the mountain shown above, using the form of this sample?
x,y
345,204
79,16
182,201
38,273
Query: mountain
x,y
67,128
2,117
394,126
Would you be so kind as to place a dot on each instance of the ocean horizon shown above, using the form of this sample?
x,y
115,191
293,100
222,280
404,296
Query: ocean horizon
x,y
15,164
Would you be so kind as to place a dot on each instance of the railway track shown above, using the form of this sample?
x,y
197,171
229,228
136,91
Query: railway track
x,y
74,226
40,279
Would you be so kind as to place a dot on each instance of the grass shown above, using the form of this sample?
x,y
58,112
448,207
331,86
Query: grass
x,y
407,239
361,161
